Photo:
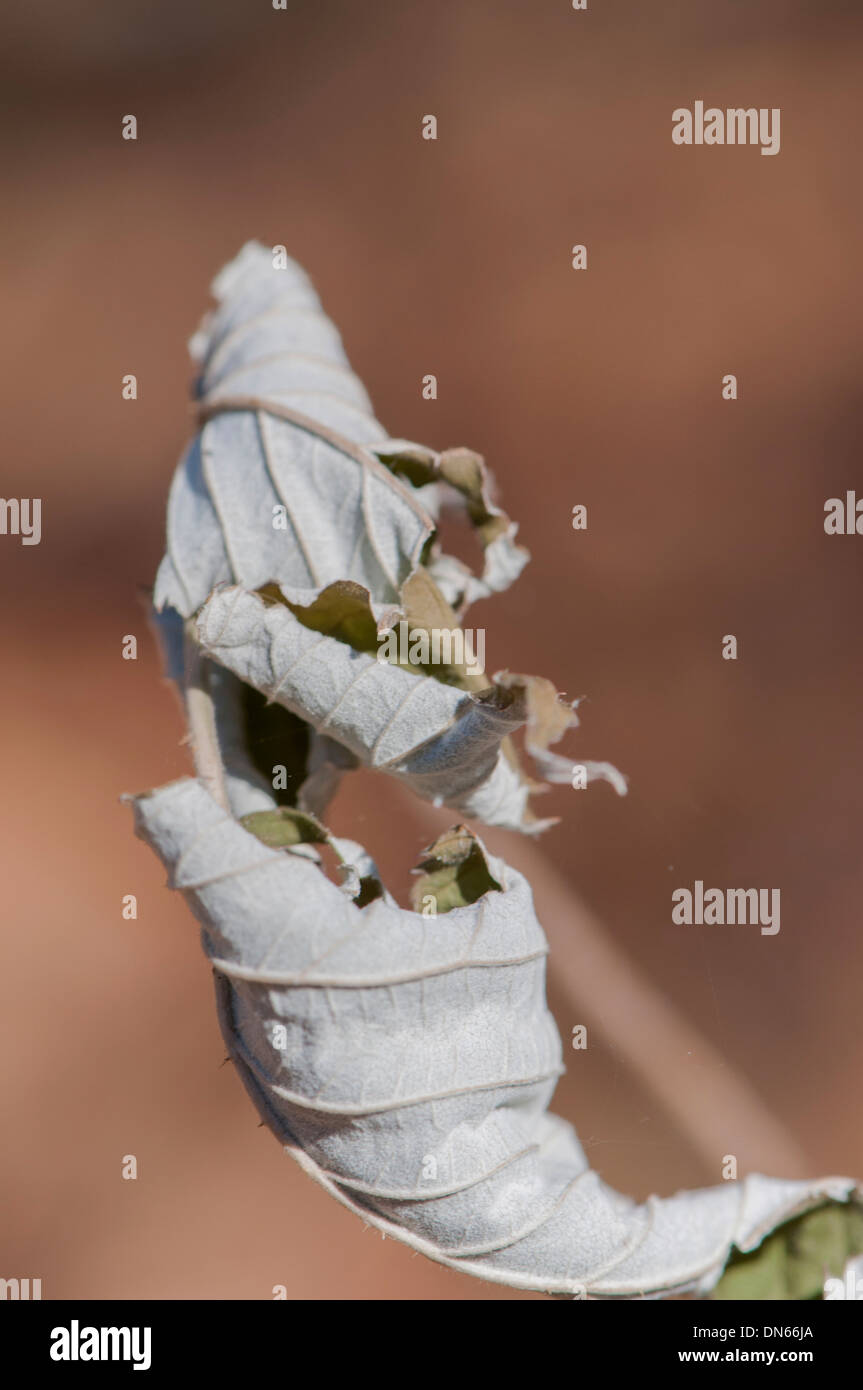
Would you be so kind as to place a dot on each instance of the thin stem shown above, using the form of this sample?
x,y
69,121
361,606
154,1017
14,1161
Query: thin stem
x,y
203,737
717,1109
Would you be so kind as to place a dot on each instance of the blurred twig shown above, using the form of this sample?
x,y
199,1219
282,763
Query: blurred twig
x,y
715,1108
202,724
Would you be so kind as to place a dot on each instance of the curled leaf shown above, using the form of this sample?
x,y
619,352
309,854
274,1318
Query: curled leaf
x,y
419,1058
465,472
310,503
406,1062
444,743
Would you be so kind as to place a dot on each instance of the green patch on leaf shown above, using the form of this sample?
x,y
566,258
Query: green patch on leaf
x,y
285,827
341,610
795,1259
427,611
454,871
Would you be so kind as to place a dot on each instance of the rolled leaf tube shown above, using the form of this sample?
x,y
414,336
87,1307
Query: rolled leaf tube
x,y
405,1060
414,1065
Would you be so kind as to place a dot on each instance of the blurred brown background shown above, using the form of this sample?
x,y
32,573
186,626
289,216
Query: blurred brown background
x,y
705,518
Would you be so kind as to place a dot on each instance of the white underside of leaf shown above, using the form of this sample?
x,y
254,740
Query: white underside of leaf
x,y
447,1146
308,446
347,517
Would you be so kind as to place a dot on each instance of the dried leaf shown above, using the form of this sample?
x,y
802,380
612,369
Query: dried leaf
x,y
416,1056
465,472
444,743
310,504
419,1059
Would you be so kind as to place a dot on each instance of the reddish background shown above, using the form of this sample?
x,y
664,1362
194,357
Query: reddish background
x,y
303,128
